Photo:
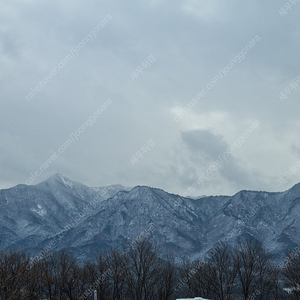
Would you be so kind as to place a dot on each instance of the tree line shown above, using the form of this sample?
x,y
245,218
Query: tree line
x,y
245,272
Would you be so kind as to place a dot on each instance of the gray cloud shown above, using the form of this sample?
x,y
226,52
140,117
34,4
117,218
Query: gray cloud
x,y
191,41
204,142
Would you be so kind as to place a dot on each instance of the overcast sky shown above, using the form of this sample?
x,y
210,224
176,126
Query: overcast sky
x,y
189,41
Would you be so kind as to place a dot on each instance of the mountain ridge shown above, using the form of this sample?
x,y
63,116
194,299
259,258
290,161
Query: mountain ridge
x,y
31,217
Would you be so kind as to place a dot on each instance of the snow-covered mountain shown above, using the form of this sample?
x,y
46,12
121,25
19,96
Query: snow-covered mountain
x,y
31,214
62,213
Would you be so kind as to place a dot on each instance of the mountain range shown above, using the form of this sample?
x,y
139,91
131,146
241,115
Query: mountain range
x,y
61,213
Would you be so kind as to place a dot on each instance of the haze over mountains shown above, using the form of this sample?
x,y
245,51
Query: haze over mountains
x,y
60,213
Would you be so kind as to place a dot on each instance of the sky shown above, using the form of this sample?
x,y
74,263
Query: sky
x,y
194,97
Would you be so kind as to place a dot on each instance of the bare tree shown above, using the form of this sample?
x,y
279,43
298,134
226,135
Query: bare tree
x,y
291,275
118,271
255,271
166,285
220,273
96,277
60,276
47,269
186,277
199,282
13,276
142,274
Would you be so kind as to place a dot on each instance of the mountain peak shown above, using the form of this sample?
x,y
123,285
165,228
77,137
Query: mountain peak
x,y
65,180
141,190
56,179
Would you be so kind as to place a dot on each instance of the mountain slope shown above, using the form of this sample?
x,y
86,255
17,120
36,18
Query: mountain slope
x,y
30,214
34,217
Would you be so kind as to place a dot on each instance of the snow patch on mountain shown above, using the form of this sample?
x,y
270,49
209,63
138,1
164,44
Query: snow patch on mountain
x,y
40,211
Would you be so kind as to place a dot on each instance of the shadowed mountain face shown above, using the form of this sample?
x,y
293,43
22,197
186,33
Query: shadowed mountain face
x,y
60,213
